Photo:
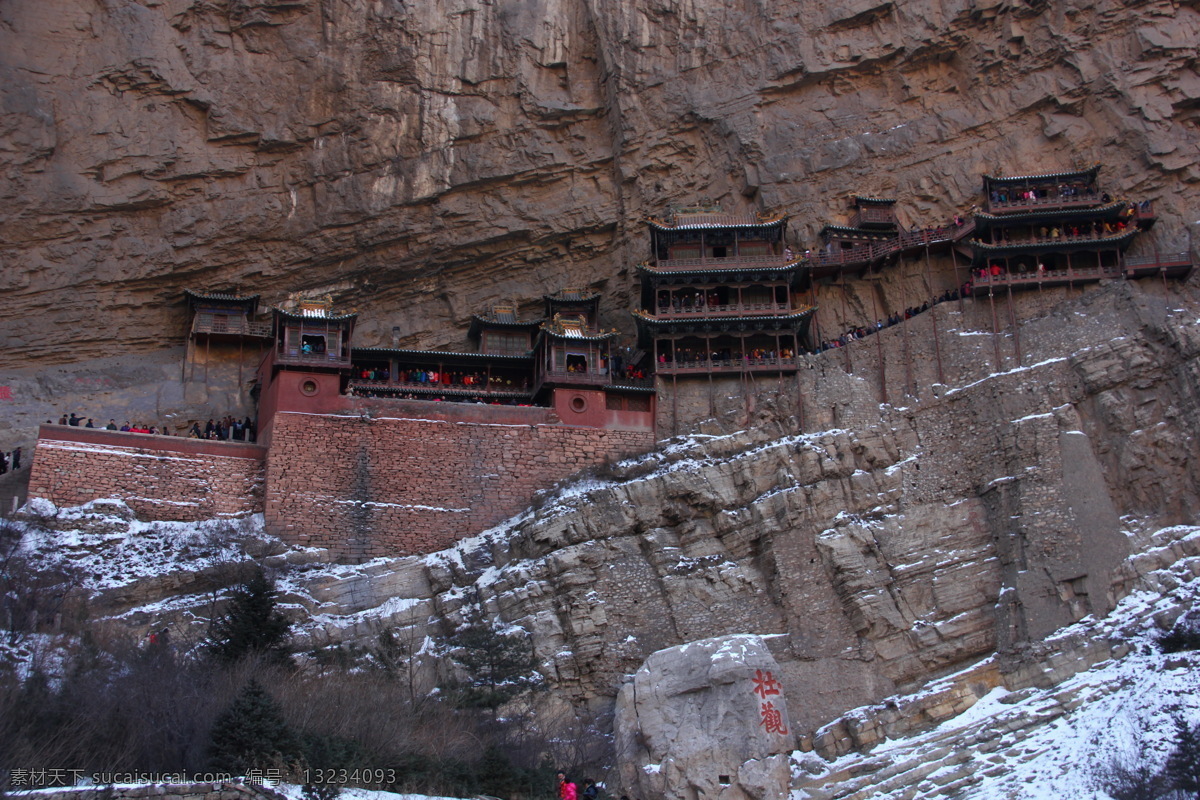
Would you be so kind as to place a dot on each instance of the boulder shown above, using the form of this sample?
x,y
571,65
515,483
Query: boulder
x,y
705,720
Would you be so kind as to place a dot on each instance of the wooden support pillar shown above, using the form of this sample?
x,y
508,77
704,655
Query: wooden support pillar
x,y
1012,316
674,403
909,388
995,331
937,347
878,336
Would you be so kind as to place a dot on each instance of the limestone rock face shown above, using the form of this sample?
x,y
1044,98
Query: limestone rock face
x,y
418,161
934,502
705,719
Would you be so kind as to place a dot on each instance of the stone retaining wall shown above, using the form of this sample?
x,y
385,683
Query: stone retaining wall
x,y
367,487
159,477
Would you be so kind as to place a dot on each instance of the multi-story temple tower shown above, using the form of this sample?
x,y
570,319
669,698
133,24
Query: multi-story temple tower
x,y
719,295
1060,229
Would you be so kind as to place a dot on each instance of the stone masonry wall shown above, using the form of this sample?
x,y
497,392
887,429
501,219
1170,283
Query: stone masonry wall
x,y
159,477
366,487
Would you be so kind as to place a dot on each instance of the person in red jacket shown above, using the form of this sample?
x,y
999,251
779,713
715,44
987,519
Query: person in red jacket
x,y
566,789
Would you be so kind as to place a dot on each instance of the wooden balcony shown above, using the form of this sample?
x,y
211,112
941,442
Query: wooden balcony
x,y
1055,203
730,262
228,325
870,255
1171,265
632,383
727,366
296,357
363,387
730,310
576,378
873,215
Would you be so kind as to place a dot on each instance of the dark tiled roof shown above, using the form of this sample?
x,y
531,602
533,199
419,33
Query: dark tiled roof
x,y
307,318
574,295
1107,211
716,219
874,201
982,250
221,297
651,321
1085,174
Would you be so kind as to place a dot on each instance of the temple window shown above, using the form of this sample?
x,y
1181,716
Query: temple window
x,y
312,343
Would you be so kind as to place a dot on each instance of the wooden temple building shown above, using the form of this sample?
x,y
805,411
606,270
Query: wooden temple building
x,y
720,294
223,321
562,360
1060,229
873,239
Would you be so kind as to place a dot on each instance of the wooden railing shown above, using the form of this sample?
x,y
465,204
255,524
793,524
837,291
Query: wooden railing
x,y
727,365
458,389
873,215
906,241
732,262
294,355
586,378
1042,203
732,309
1047,277
1173,264
237,326
637,383
1159,261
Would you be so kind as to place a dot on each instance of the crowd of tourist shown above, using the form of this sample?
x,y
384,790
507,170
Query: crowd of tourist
x,y
474,399
228,428
725,357
895,318
1033,194
431,377
10,460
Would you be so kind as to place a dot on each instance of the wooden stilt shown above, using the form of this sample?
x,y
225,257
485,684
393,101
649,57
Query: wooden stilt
x,y
937,347
1012,317
878,334
674,403
995,326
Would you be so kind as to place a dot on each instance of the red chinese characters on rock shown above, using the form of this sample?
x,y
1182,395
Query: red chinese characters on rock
x,y
765,685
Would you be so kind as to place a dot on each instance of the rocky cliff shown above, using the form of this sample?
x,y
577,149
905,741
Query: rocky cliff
x,y
952,535
950,491
419,160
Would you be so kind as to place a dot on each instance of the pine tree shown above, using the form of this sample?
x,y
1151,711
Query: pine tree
x,y
252,625
498,664
1183,765
252,734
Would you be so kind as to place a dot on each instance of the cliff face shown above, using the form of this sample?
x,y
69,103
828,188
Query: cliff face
x,y
419,160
